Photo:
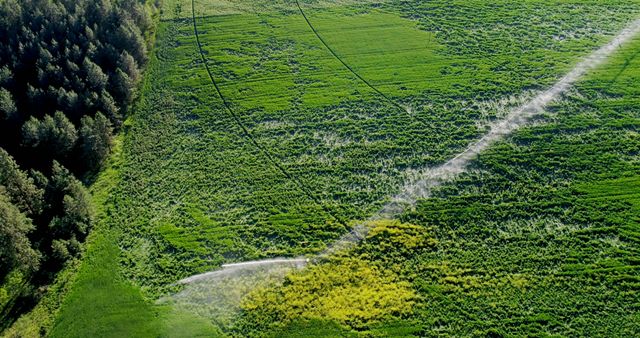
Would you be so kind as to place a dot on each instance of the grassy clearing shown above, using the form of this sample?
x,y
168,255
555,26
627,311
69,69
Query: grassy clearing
x,y
97,286
103,304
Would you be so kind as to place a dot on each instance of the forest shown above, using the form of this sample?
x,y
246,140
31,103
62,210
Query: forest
x,y
68,75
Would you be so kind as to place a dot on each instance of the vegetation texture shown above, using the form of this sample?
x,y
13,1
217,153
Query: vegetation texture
x,y
266,128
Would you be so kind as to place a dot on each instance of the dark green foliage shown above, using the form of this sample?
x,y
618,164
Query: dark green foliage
x,y
43,221
7,106
59,205
16,251
95,136
77,58
53,136
73,218
21,189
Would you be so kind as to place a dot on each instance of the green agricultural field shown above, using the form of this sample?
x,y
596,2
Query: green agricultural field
x,y
269,128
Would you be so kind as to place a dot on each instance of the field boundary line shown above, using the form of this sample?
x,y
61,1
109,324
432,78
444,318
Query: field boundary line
x,y
247,133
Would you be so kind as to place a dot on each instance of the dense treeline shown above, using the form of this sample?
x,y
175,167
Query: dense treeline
x,y
68,72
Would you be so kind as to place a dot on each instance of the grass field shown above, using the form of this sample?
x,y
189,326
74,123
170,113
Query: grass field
x,y
539,238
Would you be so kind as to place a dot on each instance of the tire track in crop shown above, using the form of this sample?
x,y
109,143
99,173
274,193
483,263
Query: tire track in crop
x,y
247,133
627,63
387,98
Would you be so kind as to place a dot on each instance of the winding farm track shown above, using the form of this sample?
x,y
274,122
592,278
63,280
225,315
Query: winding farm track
x,y
247,133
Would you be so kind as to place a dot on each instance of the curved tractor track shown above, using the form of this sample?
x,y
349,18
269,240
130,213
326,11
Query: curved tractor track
x,y
249,136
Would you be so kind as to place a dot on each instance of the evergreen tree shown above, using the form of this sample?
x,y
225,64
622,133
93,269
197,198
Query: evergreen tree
x,y
15,249
56,134
95,135
19,187
7,105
